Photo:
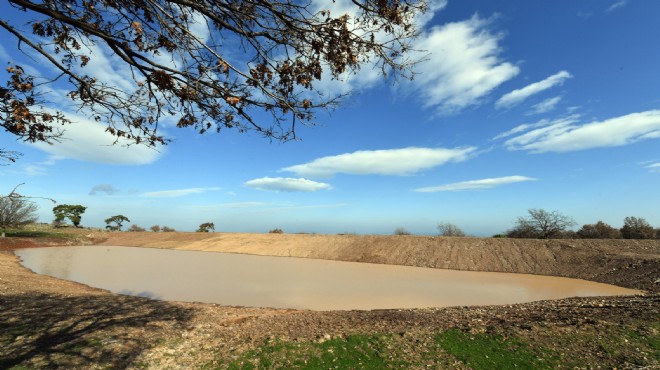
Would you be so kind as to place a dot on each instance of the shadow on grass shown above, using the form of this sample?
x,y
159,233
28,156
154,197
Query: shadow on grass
x,y
52,331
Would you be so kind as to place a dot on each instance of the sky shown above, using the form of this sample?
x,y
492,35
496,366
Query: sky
x,y
518,105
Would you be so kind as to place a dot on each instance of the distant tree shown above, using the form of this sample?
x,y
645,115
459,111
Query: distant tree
x,y
136,228
117,221
206,227
276,231
16,211
541,224
637,228
447,229
155,228
71,211
599,230
657,233
167,229
401,231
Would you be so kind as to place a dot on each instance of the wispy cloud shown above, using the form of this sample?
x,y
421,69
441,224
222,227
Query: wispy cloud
x,y
568,135
287,184
464,65
177,192
40,168
86,140
517,96
617,5
545,106
560,122
398,162
476,184
107,189
654,167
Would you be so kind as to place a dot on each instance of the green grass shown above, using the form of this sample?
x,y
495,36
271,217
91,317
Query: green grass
x,y
484,351
353,352
14,233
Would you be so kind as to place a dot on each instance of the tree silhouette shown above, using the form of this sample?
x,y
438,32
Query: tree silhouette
x,y
117,221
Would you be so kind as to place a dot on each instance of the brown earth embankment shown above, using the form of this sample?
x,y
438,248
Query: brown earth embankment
x,y
628,263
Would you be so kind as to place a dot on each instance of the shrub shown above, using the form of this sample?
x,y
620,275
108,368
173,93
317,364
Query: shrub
x,y
447,229
276,231
401,231
167,229
599,230
136,228
637,228
206,227
155,228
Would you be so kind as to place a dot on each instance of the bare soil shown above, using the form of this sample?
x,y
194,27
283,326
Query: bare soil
x,y
51,323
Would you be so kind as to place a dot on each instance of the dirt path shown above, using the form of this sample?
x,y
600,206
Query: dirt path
x,y
627,263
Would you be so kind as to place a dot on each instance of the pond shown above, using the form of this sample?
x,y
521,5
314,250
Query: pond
x,y
286,282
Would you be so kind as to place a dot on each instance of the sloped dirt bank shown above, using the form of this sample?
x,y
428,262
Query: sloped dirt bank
x,y
51,323
627,263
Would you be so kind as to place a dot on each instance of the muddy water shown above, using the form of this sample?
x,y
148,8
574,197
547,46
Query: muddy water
x,y
283,282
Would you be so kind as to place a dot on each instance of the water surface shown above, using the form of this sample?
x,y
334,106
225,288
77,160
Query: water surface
x,y
286,282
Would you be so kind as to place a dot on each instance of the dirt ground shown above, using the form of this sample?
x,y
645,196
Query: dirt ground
x,y
51,323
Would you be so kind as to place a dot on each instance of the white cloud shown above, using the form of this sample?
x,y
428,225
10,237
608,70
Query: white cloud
x,y
398,162
463,65
545,106
287,184
517,96
476,184
617,5
86,140
655,167
177,192
567,135
542,123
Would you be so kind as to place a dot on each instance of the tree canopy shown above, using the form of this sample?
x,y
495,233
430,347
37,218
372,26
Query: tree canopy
x,y
117,220
71,211
209,65
206,227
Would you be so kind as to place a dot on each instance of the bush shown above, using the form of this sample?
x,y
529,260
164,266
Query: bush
x,y
136,228
155,228
167,229
637,228
206,227
276,231
401,231
599,230
447,229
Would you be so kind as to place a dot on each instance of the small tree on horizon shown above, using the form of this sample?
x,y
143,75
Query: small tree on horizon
x,y
206,227
541,224
155,228
448,229
401,231
71,211
117,221
167,229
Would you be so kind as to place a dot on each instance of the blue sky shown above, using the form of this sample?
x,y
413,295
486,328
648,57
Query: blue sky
x,y
519,105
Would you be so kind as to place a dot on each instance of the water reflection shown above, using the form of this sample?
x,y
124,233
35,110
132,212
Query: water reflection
x,y
285,282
